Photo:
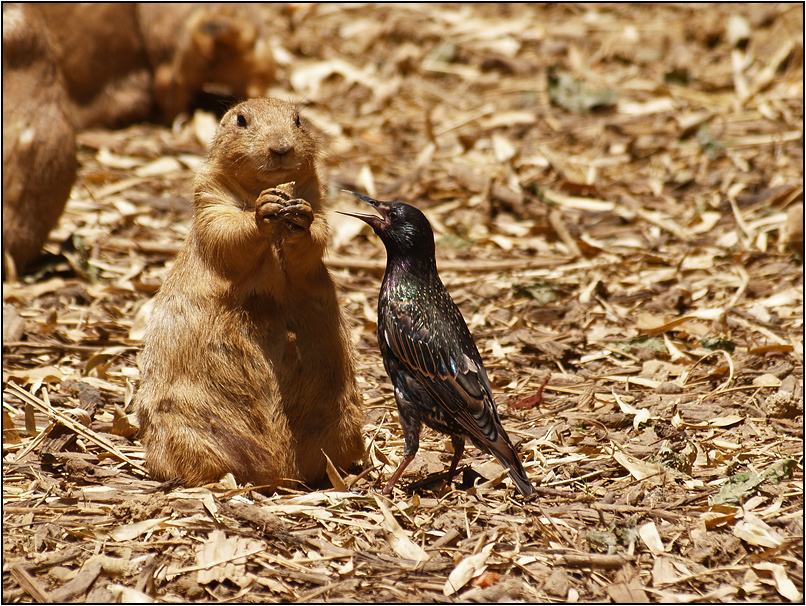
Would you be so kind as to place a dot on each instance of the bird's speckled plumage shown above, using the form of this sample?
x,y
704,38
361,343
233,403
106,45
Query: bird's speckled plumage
x,y
428,351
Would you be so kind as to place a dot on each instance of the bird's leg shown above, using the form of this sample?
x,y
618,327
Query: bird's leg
x,y
395,476
411,435
458,449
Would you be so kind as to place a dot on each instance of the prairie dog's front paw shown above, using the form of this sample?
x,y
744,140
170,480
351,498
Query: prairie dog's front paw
x,y
298,215
268,210
271,202
276,205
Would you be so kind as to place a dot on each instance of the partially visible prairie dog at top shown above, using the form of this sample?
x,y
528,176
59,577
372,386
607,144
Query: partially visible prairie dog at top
x,y
214,49
127,62
101,54
39,146
247,365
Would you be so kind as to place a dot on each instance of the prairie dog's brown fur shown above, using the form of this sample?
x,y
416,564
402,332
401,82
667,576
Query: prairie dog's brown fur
x,y
39,143
100,53
247,366
196,49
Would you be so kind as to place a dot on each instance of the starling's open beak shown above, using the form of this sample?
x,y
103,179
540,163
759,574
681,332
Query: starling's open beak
x,y
377,223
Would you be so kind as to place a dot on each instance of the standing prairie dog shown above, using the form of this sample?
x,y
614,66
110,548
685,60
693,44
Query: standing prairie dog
x,y
247,365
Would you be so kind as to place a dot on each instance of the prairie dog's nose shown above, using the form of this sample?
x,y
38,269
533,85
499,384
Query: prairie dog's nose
x,y
281,148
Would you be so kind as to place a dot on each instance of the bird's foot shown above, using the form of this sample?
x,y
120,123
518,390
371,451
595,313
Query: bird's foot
x,y
445,489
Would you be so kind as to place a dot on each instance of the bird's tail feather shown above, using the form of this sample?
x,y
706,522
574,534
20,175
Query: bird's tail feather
x,y
522,483
508,457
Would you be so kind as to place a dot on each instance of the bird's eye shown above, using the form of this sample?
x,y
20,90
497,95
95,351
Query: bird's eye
x,y
241,121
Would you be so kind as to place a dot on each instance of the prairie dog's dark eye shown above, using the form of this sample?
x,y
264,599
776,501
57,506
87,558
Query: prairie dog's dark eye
x,y
296,120
241,121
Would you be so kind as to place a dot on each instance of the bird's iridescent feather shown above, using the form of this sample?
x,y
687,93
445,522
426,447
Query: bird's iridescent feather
x,y
448,366
428,351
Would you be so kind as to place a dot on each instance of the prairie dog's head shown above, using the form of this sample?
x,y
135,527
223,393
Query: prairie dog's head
x,y
263,142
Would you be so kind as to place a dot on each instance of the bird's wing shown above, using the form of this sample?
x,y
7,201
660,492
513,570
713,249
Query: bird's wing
x,y
450,369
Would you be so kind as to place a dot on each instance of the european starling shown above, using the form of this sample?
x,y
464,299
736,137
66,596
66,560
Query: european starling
x,y
428,351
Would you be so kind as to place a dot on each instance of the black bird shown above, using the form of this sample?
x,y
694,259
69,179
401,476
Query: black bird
x,y
428,351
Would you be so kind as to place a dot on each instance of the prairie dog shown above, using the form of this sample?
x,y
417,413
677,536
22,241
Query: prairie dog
x,y
100,53
218,48
39,143
247,365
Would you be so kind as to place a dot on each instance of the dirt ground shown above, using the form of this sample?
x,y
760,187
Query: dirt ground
x,y
617,194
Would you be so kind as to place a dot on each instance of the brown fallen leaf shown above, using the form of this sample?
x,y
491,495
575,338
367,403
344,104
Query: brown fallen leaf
x,y
333,475
623,593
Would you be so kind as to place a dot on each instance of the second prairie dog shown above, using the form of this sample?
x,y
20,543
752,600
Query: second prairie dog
x,y
39,143
122,61
247,365
196,49
100,51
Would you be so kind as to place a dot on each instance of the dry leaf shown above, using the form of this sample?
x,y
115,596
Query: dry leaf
x,y
223,558
333,475
783,583
639,469
10,433
205,125
649,535
664,572
624,593
127,532
469,567
159,167
42,374
128,595
726,421
756,532
398,538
